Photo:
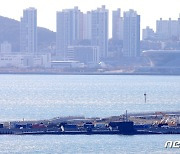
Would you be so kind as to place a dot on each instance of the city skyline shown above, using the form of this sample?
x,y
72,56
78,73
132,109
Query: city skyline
x,y
148,17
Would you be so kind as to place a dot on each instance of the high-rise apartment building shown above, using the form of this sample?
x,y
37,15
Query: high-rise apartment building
x,y
69,29
87,26
117,25
99,30
148,33
131,34
28,31
168,29
6,47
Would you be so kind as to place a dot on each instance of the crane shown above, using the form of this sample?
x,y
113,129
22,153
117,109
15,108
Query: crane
x,y
166,119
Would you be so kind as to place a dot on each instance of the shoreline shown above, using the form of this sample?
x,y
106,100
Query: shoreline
x,y
88,73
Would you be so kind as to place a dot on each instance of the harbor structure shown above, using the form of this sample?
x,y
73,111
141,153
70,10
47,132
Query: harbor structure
x,y
133,123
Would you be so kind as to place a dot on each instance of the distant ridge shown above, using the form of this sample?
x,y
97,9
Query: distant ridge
x,y
10,31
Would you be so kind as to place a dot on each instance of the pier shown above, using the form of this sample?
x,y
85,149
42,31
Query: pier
x,y
128,124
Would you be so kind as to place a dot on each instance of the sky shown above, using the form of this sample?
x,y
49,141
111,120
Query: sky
x,y
150,10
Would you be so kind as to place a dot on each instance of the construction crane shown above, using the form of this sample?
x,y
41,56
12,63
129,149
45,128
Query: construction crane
x,y
166,119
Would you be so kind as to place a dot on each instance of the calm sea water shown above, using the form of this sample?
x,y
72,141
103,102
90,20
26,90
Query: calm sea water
x,y
47,96
108,144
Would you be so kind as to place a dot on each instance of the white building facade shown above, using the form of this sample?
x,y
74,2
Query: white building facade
x,y
167,29
6,47
69,29
117,25
148,33
84,54
25,60
99,30
87,26
131,35
28,31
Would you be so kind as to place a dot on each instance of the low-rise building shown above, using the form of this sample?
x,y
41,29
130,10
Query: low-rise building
x,y
25,60
84,54
66,64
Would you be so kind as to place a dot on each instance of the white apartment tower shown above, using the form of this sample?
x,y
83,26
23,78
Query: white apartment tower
x,y
28,31
6,47
131,37
99,30
148,33
117,25
69,29
168,29
87,26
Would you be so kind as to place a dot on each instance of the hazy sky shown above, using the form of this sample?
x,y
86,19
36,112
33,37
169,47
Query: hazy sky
x,y
150,10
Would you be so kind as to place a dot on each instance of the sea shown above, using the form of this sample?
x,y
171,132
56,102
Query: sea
x,y
37,97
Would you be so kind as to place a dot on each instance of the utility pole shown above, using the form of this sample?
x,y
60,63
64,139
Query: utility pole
x,y
126,116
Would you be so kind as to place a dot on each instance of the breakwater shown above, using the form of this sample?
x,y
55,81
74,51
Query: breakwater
x,y
131,124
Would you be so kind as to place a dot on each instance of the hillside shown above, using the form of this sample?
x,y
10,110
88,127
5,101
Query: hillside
x,y
10,31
